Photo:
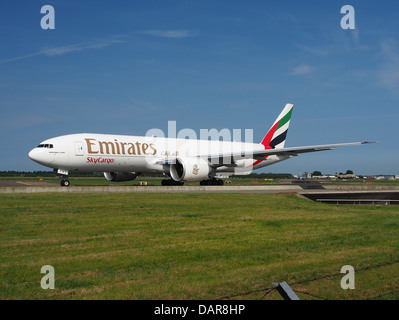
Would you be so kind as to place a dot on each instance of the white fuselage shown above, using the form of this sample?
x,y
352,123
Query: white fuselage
x,y
123,158
87,152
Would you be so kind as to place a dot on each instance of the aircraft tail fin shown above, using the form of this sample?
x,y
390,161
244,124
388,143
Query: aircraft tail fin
x,y
275,138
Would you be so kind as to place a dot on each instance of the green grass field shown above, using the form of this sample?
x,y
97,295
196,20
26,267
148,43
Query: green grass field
x,y
192,246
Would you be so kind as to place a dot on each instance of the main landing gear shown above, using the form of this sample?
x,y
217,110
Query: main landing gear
x,y
212,182
170,182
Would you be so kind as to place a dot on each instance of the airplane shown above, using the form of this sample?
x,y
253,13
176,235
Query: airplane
x,y
124,158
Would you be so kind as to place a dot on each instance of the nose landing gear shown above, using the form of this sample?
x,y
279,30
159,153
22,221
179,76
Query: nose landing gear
x,y
65,183
63,174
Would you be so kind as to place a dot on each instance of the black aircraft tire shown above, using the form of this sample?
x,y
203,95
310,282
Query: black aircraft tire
x,y
65,183
167,182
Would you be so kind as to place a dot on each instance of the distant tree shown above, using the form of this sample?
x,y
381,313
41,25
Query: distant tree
x,y
317,173
349,172
267,176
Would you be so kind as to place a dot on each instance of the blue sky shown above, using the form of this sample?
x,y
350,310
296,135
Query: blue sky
x,y
125,67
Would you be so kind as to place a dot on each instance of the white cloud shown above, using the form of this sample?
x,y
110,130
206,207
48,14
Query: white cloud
x,y
67,49
80,47
389,72
301,70
355,36
318,51
168,33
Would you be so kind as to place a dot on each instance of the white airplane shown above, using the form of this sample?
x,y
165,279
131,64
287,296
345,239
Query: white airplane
x,y
123,158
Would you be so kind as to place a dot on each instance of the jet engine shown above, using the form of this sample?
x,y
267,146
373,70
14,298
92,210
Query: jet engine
x,y
120,176
190,169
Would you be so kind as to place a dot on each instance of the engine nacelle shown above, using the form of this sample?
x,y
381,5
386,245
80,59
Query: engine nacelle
x,y
190,169
120,176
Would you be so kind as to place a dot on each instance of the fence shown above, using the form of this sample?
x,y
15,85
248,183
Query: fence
x,y
266,291
361,201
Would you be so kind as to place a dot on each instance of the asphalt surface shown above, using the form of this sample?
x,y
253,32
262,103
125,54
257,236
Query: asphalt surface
x,y
5,184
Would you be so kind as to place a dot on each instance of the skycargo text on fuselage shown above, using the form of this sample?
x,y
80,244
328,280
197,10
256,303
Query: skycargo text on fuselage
x,y
119,148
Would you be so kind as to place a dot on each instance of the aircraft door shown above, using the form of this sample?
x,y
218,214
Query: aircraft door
x,y
78,148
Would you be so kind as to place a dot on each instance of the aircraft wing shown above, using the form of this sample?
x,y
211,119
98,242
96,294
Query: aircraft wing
x,y
293,151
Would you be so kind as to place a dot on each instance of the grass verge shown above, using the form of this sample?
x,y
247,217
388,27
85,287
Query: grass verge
x,y
191,246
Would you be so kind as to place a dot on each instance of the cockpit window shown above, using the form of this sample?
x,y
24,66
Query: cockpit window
x,y
49,146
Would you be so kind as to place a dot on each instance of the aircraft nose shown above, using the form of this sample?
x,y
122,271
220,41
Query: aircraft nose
x,y
37,156
33,154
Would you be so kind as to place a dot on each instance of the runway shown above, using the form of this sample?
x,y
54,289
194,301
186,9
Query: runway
x,y
8,184
41,187
152,189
